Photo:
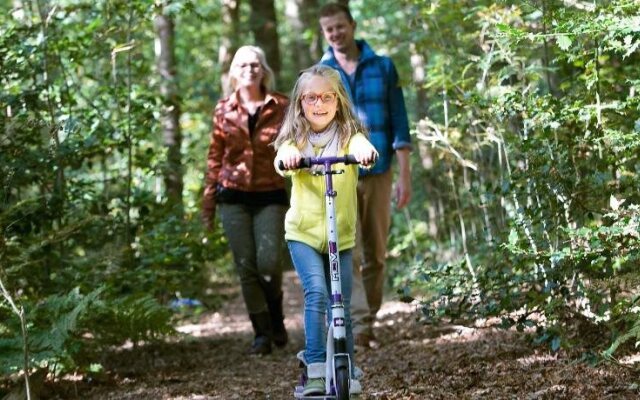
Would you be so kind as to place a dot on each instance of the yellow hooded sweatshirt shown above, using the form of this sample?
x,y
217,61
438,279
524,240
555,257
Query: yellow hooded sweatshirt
x,y
306,220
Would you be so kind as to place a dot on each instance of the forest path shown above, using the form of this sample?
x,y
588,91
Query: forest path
x,y
413,361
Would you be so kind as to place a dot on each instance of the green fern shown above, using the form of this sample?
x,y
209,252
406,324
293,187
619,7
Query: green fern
x,y
54,330
632,333
68,329
12,355
58,325
136,318
65,311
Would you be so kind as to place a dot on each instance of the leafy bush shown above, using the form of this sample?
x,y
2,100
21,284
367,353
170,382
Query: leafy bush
x,y
529,166
69,332
89,245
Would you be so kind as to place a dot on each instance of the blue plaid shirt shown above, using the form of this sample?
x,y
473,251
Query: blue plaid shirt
x,y
378,101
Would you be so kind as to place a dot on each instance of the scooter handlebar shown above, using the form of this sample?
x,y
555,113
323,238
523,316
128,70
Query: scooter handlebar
x,y
307,162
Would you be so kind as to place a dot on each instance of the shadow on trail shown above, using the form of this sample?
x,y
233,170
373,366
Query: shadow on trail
x,y
412,361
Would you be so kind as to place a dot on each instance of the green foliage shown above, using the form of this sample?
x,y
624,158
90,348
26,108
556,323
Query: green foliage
x,y
629,316
82,202
529,167
66,332
136,318
526,168
63,329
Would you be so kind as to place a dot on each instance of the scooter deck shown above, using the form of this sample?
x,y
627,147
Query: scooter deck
x,y
298,395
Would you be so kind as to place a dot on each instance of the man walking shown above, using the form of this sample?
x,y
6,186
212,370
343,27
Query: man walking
x,y
372,82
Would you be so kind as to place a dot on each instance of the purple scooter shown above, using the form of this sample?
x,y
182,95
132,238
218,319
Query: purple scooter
x,y
339,367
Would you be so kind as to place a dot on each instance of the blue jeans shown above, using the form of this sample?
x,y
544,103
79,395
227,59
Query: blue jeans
x,y
313,270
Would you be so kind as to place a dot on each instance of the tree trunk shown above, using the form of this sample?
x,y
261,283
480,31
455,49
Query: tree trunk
x,y
264,27
229,40
171,135
417,63
300,56
303,18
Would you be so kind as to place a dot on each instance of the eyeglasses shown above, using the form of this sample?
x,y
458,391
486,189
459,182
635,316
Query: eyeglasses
x,y
326,97
253,65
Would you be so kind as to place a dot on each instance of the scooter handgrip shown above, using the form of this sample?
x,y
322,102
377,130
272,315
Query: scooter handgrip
x,y
305,162
350,159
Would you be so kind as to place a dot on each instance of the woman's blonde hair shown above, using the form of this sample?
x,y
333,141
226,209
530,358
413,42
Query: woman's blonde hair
x,y
296,128
268,79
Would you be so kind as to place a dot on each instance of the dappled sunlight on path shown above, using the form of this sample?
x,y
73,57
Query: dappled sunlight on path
x,y
411,361
233,317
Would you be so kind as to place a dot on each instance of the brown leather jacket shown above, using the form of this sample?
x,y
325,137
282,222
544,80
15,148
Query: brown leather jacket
x,y
236,160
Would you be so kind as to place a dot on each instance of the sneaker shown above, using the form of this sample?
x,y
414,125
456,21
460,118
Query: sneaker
x,y
355,387
314,386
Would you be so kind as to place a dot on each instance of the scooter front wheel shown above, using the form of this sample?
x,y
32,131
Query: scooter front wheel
x,y
342,383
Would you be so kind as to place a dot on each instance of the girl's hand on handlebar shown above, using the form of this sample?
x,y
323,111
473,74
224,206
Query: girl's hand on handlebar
x,y
366,156
291,159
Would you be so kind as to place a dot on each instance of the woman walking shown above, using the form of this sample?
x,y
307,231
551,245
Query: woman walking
x,y
248,194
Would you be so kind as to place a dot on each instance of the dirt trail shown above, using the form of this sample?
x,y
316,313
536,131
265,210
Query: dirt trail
x,y
412,361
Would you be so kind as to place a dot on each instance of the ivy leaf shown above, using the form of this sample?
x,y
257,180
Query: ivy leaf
x,y
555,344
564,42
503,27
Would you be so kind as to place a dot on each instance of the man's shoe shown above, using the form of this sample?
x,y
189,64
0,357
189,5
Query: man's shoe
x,y
314,386
362,341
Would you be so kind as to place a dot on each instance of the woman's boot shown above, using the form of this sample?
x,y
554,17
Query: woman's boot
x,y
261,323
280,335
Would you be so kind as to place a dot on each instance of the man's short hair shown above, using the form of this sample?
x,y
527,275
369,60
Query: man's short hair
x,y
331,9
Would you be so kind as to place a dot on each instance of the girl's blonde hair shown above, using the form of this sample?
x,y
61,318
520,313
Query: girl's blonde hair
x,y
268,79
296,128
